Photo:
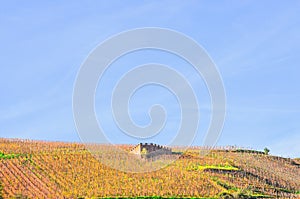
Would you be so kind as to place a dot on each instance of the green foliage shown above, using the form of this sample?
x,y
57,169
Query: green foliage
x,y
8,156
213,167
284,190
266,150
219,167
247,151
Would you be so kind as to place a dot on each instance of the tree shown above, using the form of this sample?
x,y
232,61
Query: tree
x,y
266,150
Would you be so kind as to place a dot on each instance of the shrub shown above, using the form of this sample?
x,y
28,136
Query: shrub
x,y
266,150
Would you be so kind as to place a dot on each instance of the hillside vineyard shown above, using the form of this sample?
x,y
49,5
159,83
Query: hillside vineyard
x,y
37,169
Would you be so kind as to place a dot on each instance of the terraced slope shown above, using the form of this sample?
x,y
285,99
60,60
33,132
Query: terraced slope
x,y
67,170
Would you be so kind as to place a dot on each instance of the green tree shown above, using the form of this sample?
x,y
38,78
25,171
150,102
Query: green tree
x,y
266,150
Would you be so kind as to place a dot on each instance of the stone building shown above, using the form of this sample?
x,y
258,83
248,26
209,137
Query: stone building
x,y
150,149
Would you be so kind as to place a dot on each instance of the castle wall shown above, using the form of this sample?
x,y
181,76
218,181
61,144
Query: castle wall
x,y
137,149
151,149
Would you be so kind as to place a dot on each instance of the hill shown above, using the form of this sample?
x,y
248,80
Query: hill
x,y
37,169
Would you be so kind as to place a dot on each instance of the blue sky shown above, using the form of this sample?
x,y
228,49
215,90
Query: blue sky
x,y
255,44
